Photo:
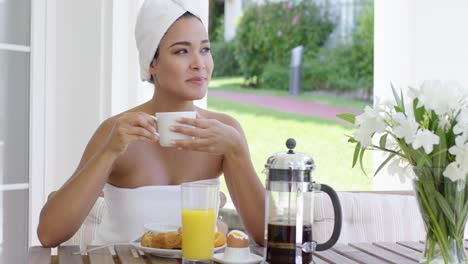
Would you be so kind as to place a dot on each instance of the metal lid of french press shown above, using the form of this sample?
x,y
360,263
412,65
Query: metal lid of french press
x,y
290,165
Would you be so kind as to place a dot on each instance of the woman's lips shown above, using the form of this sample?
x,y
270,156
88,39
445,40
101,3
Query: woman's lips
x,y
197,80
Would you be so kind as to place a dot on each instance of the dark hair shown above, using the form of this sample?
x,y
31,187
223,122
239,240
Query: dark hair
x,y
156,54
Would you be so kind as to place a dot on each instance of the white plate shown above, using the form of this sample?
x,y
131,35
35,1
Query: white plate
x,y
168,253
158,227
253,259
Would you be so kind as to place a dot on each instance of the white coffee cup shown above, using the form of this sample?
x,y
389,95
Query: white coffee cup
x,y
167,119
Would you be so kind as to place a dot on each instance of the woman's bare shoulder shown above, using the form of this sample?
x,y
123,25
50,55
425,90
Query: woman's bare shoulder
x,y
222,117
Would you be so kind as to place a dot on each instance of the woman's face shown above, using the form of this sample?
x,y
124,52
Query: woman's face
x,y
184,64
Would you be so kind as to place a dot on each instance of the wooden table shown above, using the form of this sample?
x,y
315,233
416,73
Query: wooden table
x,y
372,253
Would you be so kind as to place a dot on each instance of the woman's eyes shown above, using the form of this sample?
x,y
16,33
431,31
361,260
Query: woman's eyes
x,y
184,51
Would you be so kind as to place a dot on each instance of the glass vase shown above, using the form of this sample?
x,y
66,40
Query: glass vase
x,y
444,208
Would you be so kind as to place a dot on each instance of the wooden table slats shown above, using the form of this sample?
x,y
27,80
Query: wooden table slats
x,y
333,257
319,260
354,253
128,254
400,250
39,255
413,245
65,255
381,253
102,256
357,255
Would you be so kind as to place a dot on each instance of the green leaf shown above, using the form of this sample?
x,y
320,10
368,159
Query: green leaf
x,y
399,109
462,220
361,155
384,163
445,207
352,140
351,118
439,158
357,149
383,141
418,112
402,101
397,97
423,160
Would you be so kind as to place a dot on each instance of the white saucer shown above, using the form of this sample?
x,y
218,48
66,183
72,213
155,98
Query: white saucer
x,y
253,259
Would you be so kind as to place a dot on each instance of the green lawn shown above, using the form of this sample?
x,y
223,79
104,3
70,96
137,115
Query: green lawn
x,y
267,130
233,84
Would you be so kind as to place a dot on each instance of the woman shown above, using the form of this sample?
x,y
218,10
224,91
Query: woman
x,y
124,159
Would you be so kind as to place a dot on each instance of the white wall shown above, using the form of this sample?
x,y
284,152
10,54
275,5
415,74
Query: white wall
x,y
77,92
417,40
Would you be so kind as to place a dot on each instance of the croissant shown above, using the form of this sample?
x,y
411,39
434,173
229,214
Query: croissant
x,y
173,240
166,240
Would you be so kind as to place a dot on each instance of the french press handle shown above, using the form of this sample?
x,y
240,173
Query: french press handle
x,y
338,216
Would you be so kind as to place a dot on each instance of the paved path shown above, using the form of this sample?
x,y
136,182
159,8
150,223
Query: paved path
x,y
290,105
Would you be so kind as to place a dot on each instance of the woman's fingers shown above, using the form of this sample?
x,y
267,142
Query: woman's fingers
x,y
194,144
189,131
143,120
199,122
141,132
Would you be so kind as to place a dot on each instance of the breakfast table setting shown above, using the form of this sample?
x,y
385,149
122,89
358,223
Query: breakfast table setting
x,y
365,253
289,192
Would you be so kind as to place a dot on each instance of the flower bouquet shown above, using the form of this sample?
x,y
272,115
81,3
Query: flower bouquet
x,y
425,132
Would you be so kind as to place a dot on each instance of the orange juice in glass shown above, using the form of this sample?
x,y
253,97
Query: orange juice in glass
x,y
199,201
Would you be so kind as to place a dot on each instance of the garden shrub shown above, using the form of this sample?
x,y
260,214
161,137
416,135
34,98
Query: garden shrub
x,y
345,66
276,77
225,61
267,33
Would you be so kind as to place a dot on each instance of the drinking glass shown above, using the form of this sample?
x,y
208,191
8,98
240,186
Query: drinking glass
x,y
199,201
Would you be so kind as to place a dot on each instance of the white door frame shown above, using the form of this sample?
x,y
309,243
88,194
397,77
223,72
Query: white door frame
x,y
37,120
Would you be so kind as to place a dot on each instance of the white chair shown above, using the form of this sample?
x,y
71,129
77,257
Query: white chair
x,y
87,232
370,217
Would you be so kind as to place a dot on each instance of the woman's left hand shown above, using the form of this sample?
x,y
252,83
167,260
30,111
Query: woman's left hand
x,y
209,135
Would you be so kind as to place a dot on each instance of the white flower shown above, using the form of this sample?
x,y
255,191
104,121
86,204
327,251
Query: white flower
x,y
392,144
401,168
444,123
442,97
426,139
364,137
371,120
461,139
460,150
405,128
462,122
412,92
455,172
386,105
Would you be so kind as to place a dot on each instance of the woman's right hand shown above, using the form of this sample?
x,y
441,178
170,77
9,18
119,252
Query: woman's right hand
x,y
129,127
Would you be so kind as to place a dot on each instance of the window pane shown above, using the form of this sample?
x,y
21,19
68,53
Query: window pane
x,y
14,226
14,116
15,21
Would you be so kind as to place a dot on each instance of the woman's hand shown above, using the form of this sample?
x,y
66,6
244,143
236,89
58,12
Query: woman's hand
x,y
209,135
130,127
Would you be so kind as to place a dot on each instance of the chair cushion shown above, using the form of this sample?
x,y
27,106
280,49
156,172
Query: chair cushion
x,y
369,217
87,232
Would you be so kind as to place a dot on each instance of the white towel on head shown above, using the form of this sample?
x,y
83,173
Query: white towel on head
x,y
154,19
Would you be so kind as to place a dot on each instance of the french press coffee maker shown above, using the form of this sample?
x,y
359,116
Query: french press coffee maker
x,y
289,208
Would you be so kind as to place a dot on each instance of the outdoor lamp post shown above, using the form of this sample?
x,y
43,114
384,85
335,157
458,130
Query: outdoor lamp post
x,y
295,71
